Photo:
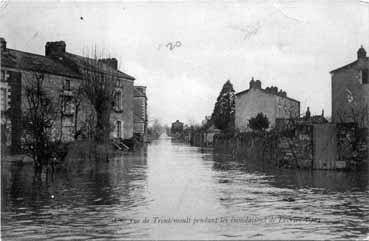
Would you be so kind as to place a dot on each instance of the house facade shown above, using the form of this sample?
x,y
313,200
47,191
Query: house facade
x,y
140,112
270,101
121,117
350,91
4,108
61,75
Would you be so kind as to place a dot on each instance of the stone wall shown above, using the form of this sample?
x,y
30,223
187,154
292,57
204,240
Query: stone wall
x,y
296,148
250,147
352,145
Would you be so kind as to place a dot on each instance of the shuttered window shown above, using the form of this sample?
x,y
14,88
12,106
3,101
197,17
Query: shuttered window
x,y
364,76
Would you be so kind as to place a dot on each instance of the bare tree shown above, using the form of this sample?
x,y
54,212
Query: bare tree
x,y
77,101
98,86
38,117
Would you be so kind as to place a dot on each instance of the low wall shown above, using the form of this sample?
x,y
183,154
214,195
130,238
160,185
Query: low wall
x,y
346,147
352,146
295,149
249,146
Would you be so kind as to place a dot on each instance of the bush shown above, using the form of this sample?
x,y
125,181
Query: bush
x,y
260,122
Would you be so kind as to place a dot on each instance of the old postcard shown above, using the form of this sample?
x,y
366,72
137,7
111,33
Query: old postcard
x,y
195,120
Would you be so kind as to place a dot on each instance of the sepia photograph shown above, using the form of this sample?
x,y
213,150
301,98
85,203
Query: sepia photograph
x,y
184,120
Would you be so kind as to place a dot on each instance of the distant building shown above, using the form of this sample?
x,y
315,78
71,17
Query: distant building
x,y
177,128
350,91
206,120
209,135
140,112
270,101
62,73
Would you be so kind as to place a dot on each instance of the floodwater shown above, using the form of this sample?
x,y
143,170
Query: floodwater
x,y
171,190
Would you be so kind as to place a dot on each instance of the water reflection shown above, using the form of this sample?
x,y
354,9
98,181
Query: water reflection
x,y
171,179
338,199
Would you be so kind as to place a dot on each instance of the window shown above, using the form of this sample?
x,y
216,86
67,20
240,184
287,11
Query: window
x,y
3,79
66,85
5,76
119,129
67,105
117,100
364,76
4,99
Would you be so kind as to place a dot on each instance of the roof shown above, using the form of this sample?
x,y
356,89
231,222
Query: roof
x,y
12,58
81,63
242,92
266,92
138,92
347,66
361,54
69,65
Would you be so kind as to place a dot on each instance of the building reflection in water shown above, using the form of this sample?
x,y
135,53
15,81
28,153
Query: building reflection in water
x,y
83,188
340,181
94,199
338,199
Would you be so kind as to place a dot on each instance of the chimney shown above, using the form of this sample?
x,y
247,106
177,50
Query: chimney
x,y
142,89
112,62
255,84
252,83
275,90
2,44
361,53
55,48
282,93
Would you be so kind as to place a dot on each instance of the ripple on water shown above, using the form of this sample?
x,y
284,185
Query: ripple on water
x,y
175,179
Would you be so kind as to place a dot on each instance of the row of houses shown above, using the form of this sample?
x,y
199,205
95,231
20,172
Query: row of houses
x,y
62,74
350,102
305,140
350,98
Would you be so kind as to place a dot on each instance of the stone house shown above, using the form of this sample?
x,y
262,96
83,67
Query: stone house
x,y
140,112
350,91
61,74
270,101
4,107
121,117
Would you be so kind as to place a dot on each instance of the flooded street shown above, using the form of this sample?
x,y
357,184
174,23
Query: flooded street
x,y
159,192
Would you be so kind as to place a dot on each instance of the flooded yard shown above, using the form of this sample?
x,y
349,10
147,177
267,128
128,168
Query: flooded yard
x,y
171,190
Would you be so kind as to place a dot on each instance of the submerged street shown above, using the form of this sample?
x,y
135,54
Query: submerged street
x,y
183,191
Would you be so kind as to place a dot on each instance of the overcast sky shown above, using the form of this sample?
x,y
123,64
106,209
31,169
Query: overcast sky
x,y
289,44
